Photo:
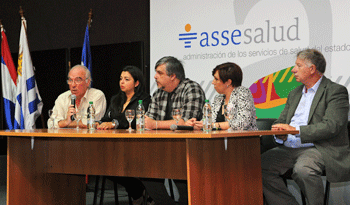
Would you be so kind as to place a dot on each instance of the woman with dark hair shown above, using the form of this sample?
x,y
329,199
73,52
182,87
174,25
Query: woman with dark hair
x,y
227,82
131,91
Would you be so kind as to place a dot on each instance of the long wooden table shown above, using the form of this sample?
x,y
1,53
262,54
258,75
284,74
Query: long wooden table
x,y
53,171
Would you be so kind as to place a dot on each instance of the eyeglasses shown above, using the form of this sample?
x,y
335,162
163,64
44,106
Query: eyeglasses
x,y
78,80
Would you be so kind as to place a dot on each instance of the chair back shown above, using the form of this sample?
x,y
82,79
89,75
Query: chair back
x,y
349,129
266,141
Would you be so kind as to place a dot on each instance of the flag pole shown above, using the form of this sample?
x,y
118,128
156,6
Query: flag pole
x,y
86,51
90,18
89,25
2,103
21,12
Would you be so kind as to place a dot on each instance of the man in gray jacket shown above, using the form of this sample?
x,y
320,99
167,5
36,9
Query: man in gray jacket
x,y
318,109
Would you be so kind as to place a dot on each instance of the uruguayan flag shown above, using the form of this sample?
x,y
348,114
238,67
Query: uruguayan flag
x,y
28,100
8,79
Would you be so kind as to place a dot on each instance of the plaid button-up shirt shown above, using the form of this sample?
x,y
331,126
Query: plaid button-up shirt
x,y
187,96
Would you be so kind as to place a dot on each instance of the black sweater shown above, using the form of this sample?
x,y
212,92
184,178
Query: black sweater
x,y
115,108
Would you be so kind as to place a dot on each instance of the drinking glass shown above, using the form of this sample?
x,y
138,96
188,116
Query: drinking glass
x,y
129,115
176,115
83,118
78,116
52,118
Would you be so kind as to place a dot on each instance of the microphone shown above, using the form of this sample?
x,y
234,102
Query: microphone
x,y
72,102
180,127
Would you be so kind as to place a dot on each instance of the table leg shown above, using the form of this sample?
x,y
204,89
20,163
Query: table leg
x,y
219,176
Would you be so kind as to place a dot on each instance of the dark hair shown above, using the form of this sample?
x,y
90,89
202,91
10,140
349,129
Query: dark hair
x,y
229,71
173,66
315,57
137,75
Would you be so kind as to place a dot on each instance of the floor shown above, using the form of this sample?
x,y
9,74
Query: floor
x,y
3,194
108,196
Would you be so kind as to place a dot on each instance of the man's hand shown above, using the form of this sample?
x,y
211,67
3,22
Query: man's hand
x,y
68,121
282,127
71,111
190,122
282,137
150,123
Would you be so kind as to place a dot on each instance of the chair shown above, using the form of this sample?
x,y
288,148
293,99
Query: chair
x,y
115,184
288,176
266,141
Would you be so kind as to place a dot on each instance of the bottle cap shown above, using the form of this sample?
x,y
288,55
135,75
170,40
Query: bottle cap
x,y
140,101
91,102
206,100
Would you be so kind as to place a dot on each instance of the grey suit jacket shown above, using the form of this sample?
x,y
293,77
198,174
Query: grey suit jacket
x,y
327,126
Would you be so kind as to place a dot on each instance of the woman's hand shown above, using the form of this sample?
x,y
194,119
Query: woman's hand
x,y
105,126
198,125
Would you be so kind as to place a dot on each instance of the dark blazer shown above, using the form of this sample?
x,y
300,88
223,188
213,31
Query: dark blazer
x,y
115,108
327,126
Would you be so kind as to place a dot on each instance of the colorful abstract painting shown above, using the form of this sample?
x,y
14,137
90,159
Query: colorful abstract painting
x,y
270,92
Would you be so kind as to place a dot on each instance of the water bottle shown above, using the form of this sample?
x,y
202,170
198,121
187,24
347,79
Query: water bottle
x,y
206,116
91,116
140,117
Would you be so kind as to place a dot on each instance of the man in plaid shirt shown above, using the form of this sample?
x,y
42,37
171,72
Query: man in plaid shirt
x,y
184,93
174,92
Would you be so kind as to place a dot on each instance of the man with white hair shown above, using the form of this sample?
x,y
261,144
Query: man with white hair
x,y
318,110
79,80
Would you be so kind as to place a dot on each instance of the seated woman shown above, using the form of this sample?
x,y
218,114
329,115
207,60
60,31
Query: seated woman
x,y
227,82
131,91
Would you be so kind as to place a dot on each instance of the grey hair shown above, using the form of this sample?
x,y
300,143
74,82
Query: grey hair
x,y
173,66
313,56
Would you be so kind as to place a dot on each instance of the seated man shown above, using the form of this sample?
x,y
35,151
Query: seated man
x,y
175,92
318,109
79,79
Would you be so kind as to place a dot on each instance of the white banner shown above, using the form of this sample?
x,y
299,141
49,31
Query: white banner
x,y
262,37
